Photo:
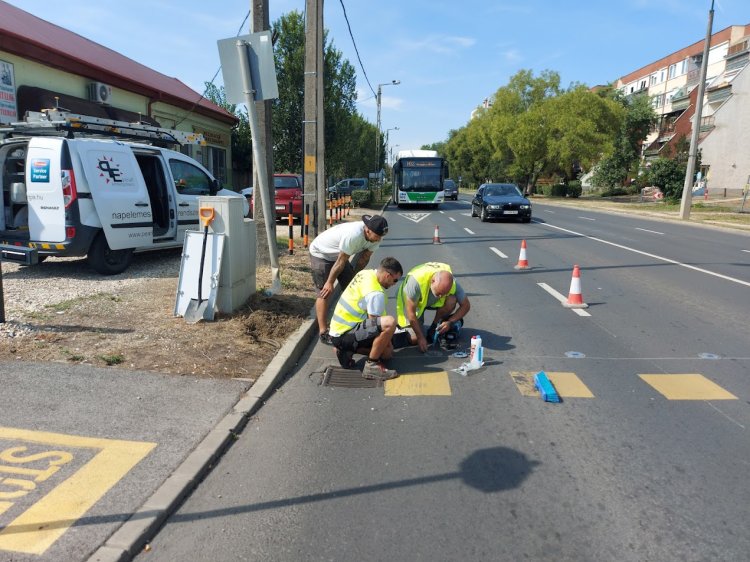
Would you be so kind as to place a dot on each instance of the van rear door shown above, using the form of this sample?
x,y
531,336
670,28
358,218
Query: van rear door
x,y
119,193
44,190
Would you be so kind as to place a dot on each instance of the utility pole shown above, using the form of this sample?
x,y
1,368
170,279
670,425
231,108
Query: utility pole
x,y
377,133
260,22
687,188
313,120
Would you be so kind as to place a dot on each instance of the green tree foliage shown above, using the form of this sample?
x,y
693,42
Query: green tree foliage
x,y
345,130
614,169
669,175
242,148
534,127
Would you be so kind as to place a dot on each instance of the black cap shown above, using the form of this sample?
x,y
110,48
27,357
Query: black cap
x,y
376,223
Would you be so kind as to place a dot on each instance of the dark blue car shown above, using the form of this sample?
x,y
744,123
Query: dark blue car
x,y
500,201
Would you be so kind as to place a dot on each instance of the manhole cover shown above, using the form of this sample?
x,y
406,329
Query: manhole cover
x,y
347,378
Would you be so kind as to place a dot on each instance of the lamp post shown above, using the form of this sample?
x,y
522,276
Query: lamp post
x,y
377,134
394,146
387,140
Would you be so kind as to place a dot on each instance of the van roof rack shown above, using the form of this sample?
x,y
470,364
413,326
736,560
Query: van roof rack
x,y
56,122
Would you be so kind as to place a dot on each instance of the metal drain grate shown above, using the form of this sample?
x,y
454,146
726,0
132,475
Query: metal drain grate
x,y
347,378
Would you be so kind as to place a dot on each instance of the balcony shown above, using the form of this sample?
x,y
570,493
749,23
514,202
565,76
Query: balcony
x,y
707,124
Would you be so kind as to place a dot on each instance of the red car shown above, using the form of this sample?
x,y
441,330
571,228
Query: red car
x,y
288,189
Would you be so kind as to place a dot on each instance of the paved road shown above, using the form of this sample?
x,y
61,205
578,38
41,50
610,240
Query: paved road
x,y
645,458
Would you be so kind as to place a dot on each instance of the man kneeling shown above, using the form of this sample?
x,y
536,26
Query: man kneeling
x,y
359,323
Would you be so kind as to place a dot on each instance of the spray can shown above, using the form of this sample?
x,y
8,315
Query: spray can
x,y
476,349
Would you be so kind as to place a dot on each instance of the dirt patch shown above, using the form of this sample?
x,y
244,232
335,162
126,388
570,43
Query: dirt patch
x,y
133,327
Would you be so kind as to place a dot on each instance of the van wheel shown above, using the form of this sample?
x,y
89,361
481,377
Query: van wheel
x,y
106,261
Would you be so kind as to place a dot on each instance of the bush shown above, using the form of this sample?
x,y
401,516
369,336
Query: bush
x,y
574,188
360,197
558,190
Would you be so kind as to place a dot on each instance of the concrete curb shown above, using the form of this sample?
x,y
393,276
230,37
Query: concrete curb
x,y
129,540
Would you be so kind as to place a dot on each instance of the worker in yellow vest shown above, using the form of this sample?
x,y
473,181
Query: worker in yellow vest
x,y
359,323
431,286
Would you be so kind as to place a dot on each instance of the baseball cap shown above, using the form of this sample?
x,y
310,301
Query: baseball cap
x,y
376,223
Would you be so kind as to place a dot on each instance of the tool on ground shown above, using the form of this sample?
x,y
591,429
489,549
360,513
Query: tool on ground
x,y
545,387
197,307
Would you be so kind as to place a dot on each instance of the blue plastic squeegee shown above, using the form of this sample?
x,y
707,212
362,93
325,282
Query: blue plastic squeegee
x,y
545,387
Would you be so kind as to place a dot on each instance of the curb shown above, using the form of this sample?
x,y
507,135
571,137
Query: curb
x,y
130,538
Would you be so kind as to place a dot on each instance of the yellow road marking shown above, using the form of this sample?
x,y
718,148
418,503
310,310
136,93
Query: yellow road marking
x,y
419,384
686,387
567,385
36,529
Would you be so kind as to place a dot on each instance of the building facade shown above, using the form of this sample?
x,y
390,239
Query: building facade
x,y
672,85
44,66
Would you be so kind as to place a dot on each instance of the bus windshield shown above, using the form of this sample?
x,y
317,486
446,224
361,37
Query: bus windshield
x,y
421,179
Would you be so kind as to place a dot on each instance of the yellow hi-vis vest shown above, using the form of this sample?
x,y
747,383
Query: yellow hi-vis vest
x,y
423,274
348,313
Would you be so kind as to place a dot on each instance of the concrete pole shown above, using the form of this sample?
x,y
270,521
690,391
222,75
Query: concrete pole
x,y
687,188
320,128
260,22
310,124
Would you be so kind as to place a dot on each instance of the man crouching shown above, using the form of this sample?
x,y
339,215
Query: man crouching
x,y
359,323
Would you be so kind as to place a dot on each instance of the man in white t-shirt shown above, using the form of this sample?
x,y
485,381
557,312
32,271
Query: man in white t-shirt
x,y
329,259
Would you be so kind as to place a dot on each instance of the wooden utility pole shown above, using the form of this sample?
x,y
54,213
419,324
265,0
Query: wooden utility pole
x,y
260,22
313,119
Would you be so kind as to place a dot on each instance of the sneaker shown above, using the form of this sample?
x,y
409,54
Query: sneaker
x,y
345,358
375,370
325,338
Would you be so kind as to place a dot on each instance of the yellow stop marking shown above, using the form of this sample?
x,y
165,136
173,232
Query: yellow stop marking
x,y
419,384
687,387
29,461
567,385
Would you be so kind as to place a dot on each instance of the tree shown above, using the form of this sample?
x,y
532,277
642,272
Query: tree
x,y
669,175
241,139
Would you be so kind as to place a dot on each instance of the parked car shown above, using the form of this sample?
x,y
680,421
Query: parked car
x,y
288,188
451,190
500,200
345,187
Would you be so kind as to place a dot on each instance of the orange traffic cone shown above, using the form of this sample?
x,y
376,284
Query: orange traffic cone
x,y
436,236
523,263
575,298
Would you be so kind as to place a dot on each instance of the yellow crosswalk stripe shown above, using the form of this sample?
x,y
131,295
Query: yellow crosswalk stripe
x,y
686,387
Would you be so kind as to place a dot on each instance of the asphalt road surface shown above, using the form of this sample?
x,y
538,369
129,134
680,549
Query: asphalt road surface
x,y
645,458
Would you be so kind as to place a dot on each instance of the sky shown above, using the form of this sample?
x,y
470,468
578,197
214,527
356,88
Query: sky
x,y
448,56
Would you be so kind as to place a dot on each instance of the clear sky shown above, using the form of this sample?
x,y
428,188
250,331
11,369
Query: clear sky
x,y
449,56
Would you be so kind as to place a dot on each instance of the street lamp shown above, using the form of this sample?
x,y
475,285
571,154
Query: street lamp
x,y
394,146
377,134
387,137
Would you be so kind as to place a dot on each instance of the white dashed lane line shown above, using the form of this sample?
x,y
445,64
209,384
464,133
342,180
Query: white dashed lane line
x,y
469,230
499,253
651,231
587,218
451,218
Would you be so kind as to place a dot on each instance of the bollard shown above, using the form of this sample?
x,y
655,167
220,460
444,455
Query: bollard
x,y
291,229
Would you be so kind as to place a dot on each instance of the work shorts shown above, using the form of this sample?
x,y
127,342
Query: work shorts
x,y
321,269
359,337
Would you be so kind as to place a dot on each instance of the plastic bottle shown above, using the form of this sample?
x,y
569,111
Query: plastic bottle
x,y
476,349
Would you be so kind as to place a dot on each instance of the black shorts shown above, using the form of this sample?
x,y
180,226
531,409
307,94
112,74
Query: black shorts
x,y
359,337
321,269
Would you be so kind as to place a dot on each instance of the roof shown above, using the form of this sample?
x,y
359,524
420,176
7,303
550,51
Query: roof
x,y
30,37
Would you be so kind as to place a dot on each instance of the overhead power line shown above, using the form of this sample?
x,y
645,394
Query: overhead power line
x,y
355,48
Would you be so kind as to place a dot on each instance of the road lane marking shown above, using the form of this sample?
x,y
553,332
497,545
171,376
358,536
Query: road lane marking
x,y
468,230
498,252
562,299
419,384
415,217
550,212
567,385
654,256
748,251
451,218
686,387
647,230
59,477
587,218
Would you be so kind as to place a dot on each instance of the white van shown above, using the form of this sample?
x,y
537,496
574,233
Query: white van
x,y
97,197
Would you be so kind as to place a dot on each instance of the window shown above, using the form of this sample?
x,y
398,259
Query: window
x,y
189,179
661,76
652,80
683,67
217,158
672,70
643,85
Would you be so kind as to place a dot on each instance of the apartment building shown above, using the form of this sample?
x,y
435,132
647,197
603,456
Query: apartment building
x,y
672,85
44,66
